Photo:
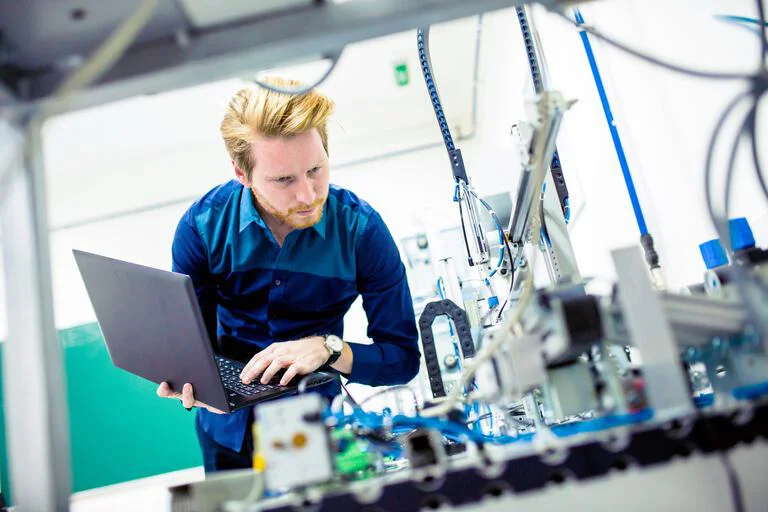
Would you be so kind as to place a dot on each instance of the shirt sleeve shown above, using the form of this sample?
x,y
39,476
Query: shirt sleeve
x,y
393,357
191,258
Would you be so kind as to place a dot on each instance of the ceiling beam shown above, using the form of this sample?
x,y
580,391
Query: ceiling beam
x,y
235,50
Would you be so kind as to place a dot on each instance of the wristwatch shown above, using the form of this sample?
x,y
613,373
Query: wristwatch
x,y
334,344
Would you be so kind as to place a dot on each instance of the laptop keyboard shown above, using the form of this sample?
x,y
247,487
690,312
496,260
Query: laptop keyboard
x,y
230,377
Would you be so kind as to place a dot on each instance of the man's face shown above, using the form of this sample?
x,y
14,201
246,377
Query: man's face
x,y
290,178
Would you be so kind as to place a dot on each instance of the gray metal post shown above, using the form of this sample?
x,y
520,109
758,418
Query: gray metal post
x,y
33,377
558,254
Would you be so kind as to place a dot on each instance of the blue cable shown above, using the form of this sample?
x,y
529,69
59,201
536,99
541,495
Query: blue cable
x,y
751,391
612,127
451,429
739,19
455,430
546,238
456,353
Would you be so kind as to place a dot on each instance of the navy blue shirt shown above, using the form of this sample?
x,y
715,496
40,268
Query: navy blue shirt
x,y
254,291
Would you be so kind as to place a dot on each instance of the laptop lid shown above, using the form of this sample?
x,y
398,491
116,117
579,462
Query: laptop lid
x,y
152,324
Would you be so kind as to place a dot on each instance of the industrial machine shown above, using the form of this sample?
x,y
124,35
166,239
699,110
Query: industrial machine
x,y
529,383
534,384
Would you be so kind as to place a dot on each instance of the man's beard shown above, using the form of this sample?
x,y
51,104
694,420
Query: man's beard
x,y
289,218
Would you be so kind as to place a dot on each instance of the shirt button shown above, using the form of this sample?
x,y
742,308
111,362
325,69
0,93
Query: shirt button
x,y
277,282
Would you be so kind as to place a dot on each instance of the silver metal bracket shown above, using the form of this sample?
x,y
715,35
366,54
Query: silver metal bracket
x,y
652,334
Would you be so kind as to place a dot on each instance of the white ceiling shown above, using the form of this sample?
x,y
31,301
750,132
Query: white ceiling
x,y
168,146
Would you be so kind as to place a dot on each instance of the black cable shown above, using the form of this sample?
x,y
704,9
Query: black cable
x,y
733,482
505,240
507,246
758,94
710,154
349,395
743,129
653,60
544,231
511,276
302,386
721,222
741,279
509,294
499,228
299,91
763,40
756,156
479,418
463,227
510,256
730,472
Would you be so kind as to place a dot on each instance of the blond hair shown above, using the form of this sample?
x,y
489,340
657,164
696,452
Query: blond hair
x,y
257,111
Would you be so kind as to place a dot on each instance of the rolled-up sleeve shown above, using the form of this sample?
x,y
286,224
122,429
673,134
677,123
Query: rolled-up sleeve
x,y
393,357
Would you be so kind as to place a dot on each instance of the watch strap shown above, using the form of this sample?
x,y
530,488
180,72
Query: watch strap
x,y
334,355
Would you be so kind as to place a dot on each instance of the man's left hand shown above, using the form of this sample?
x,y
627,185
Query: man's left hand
x,y
300,357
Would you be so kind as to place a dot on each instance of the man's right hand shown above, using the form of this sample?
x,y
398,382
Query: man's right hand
x,y
186,396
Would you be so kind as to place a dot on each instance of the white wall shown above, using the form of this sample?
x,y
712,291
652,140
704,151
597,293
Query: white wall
x,y
665,121
165,148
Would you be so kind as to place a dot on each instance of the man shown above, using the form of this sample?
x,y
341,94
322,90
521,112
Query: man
x,y
277,257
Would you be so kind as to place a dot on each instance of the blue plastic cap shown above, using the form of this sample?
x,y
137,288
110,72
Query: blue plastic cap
x,y
741,234
713,254
493,301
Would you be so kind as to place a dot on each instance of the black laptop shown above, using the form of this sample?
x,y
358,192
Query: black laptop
x,y
153,328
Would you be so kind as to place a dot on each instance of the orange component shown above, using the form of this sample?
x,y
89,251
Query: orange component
x,y
299,440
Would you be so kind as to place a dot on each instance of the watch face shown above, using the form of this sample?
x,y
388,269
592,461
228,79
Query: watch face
x,y
334,343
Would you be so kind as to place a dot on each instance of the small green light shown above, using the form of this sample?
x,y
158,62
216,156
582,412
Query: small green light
x,y
401,74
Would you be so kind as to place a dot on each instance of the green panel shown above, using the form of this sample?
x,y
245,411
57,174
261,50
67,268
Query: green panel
x,y
120,430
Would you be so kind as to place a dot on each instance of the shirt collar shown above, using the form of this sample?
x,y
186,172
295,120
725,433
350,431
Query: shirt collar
x,y
248,211
320,226
249,214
